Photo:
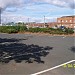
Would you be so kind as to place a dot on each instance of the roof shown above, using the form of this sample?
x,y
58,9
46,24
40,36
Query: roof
x,y
68,16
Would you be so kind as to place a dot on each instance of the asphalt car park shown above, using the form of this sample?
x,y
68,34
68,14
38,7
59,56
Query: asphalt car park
x,y
31,54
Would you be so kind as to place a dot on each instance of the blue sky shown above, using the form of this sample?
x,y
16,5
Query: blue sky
x,y
36,10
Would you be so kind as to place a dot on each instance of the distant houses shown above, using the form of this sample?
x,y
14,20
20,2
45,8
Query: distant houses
x,y
66,21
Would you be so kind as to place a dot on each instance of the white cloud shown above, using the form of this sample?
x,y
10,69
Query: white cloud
x,y
6,3
13,5
62,3
9,17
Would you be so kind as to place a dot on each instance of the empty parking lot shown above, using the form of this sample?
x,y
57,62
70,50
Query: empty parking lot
x,y
33,53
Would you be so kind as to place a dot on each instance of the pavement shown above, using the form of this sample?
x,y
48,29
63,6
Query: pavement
x,y
58,50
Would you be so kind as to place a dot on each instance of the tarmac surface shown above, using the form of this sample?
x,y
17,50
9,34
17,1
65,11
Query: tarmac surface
x,y
34,53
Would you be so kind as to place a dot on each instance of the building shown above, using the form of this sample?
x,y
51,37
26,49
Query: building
x,y
36,25
52,24
67,21
41,25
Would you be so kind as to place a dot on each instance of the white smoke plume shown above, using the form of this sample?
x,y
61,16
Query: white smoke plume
x,y
6,3
10,3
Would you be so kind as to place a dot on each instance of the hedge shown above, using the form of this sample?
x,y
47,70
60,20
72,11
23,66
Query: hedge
x,y
12,29
16,29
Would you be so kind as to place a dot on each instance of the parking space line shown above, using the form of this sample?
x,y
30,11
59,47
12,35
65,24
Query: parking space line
x,y
52,68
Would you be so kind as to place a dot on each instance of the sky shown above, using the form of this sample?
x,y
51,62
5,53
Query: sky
x,y
35,10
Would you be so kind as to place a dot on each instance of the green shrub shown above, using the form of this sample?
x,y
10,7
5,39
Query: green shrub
x,y
15,29
69,31
21,28
12,29
38,29
34,30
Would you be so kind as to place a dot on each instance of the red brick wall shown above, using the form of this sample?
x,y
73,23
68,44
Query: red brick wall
x,y
68,21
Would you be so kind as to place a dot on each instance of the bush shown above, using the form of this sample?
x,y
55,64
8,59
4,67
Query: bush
x,y
15,29
69,31
22,28
52,31
12,29
38,29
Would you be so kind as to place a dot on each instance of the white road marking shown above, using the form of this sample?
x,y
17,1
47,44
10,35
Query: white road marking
x,y
64,37
53,68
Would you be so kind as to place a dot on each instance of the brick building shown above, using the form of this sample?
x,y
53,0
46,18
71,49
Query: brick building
x,y
67,21
42,25
36,25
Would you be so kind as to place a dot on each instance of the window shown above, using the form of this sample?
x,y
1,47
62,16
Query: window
x,y
71,24
66,21
62,21
70,20
59,21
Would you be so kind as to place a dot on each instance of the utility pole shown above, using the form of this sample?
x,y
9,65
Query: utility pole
x,y
28,23
44,21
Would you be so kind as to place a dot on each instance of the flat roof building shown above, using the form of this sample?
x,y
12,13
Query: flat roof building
x,y
67,21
